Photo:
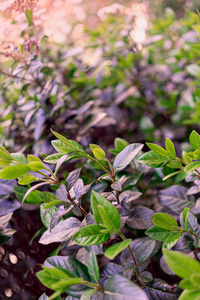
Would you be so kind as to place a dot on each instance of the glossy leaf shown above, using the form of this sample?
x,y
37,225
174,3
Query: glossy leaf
x,y
153,159
120,288
164,221
90,235
171,240
93,267
157,233
47,197
63,231
170,148
176,198
114,250
72,178
12,172
87,294
111,210
195,140
157,149
181,264
144,251
126,156
140,218
107,271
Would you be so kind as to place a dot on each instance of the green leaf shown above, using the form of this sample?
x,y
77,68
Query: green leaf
x,y
5,162
187,284
47,197
33,158
87,294
120,144
13,172
32,198
190,295
75,268
186,158
114,250
46,215
20,158
170,148
126,156
157,233
174,164
120,288
195,279
53,158
93,267
50,276
157,149
26,179
99,153
4,153
90,235
105,221
195,140
74,146
164,221
192,166
196,154
29,17
35,166
181,264
111,210
153,159
32,189
144,251
171,175
185,213
171,240
51,204
64,284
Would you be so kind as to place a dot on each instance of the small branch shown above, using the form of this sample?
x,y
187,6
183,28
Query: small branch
x,y
76,204
132,255
36,81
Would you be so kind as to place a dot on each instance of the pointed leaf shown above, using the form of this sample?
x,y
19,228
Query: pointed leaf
x,y
157,149
111,210
126,156
90,235
63,231
93,267
120,288
12,172
195,140
144,251
114,250
181,264
164,221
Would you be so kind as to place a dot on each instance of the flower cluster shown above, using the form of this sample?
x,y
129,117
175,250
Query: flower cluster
x,y
21,5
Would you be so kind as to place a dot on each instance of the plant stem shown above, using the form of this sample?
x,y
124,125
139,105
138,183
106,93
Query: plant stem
x,y
25,79
194,233
98,164
76,204
95,286
111,168
50,178
131,253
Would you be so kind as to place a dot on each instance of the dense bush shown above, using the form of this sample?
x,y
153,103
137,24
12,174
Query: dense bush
x,y
111,215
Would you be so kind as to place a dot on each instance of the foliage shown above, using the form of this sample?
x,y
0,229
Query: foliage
x,y
112,215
